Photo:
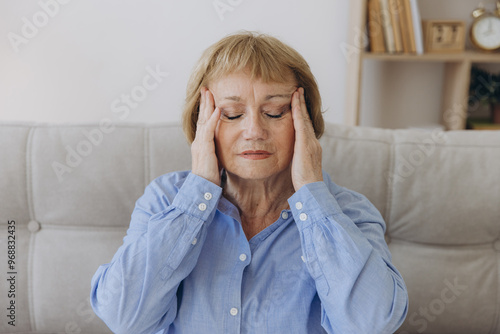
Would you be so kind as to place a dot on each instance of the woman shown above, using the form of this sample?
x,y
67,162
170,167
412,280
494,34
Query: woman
x,y
255,238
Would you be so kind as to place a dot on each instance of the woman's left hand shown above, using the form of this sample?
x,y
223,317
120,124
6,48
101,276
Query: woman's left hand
x,y
306,163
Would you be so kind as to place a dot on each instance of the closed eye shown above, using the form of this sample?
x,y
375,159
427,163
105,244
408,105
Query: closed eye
x,y
232,117
275,116
230,114
282,110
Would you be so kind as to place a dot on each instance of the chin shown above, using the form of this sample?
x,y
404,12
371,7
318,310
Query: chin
x,y
255,173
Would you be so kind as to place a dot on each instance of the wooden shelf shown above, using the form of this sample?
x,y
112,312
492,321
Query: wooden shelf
x,y
457,67
469,55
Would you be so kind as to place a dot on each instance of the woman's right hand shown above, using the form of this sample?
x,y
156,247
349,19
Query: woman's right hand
x,y
204,159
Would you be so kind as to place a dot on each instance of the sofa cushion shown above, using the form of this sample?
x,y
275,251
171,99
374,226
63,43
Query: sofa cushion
x,y
71,190
439,193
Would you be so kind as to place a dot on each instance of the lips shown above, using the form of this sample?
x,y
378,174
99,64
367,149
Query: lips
x,y
255,155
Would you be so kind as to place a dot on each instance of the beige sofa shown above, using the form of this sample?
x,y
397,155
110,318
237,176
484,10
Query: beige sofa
x,y
69,190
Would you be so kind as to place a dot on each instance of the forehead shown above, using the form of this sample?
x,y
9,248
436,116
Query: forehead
x,y
242,83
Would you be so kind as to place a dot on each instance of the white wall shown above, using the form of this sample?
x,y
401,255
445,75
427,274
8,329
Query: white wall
x,y
86,54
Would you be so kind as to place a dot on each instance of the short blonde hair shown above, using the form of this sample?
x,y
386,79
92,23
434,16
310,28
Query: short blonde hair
x,y
266,57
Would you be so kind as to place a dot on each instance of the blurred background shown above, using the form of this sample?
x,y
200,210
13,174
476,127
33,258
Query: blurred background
x,y
129,61
77,61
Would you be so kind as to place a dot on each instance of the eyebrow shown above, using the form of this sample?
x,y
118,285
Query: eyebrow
x,y
232,98
267,98
286,96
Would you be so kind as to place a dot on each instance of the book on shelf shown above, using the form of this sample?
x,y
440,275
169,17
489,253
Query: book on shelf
x,y
375,29
417,27
407,27
394,26
394,11
385,18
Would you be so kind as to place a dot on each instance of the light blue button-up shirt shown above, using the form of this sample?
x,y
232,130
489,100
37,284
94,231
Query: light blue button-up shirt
x,y
186,266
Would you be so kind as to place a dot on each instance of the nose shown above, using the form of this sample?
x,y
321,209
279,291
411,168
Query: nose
x,y
255,127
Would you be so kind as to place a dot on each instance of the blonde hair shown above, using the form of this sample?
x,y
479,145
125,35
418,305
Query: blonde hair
x,y
266,58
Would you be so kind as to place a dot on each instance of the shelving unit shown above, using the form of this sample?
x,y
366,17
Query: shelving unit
x,y
456,74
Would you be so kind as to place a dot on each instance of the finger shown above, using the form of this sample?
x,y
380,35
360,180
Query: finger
x,y
207,129
303,105
295,105
297,114
305,113
208,132
206,107
210,102
201,110
214,120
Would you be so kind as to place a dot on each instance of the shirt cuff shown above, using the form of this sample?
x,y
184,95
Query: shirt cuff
x,y
197,197
313,202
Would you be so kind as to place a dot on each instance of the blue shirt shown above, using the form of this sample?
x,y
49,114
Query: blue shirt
x,y
186,266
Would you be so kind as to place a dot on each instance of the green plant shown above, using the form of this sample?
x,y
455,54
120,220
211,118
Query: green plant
x,y
484,86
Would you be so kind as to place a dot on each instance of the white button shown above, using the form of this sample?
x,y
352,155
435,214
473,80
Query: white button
x,y
243,257
284,215
208,196
303,259
194,241
298,205
234,311
303,217
202,206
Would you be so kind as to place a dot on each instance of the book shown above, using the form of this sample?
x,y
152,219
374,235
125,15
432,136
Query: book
x,y
394,10
408,24
375,29
385,17
417,27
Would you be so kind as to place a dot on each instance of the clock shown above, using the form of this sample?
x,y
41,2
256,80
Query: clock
x,y
485,29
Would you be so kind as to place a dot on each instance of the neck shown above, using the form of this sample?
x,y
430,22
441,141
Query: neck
x,y
259,201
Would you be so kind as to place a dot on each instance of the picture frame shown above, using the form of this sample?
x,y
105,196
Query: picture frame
x,y
444,36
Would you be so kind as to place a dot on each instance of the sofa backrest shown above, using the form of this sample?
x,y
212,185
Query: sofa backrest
x,y
69,191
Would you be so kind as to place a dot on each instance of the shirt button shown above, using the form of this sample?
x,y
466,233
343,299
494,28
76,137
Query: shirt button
x,y
284,215
233,311
243,257
298,205
194,241
202,206
303,259
303,217
208,196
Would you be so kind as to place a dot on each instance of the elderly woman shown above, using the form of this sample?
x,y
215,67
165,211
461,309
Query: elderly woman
x,y
256,238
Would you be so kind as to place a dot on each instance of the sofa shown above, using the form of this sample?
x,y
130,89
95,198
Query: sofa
x,y
67,193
